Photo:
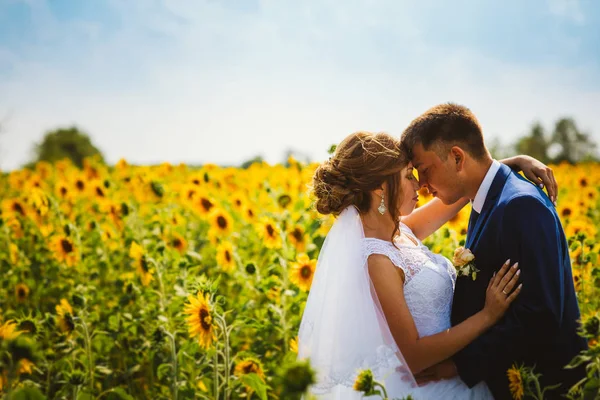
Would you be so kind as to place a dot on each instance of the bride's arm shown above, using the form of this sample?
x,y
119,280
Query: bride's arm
x,y
429,218
421,353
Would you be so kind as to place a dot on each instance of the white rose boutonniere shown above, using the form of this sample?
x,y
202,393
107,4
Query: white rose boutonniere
x,y
464,262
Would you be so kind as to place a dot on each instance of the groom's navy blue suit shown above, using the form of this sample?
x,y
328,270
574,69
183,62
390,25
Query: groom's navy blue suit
x,y
518,222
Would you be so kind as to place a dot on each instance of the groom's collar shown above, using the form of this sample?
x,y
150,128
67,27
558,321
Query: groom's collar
x,y
479,200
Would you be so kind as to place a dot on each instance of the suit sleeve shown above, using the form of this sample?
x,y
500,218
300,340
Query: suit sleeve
x,y
528,234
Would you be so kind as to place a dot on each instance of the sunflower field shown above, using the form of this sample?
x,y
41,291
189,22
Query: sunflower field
x,y
173,282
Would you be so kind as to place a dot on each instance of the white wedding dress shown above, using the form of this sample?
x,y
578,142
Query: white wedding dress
x,y
428,291
343,328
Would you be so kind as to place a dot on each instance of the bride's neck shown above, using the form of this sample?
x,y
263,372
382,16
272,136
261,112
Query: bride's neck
x,y
377,225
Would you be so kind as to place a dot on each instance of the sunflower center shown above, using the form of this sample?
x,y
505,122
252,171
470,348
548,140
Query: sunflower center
x,y
305,271
63,191
238,202
190,194
566,212
270,230
221,222
297,234
66,245
250,368
196,182
205,319
144,264
177,242
80,185
227,256
250,213
583,182
17,207
206,204
21,293
99,192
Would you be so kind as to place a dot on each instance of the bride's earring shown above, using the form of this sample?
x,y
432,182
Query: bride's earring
x,y
381,207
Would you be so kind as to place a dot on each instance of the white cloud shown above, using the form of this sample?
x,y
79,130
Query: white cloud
x,y
222,85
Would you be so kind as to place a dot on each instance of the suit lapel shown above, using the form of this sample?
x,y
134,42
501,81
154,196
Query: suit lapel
x,y
488,205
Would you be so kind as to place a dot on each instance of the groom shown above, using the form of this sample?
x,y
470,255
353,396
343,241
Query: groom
x,y
510,219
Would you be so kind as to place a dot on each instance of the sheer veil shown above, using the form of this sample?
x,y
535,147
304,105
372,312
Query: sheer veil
x,y
343,329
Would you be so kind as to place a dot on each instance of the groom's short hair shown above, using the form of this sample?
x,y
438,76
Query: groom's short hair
x,y
442,127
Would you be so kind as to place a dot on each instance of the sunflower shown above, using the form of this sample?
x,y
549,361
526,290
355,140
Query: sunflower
x,y
221,222
460,221
39,200
8,330
21,292
29,324
13,208
64,250
199,320
302,271
65,320
80,185
141,263
13,251
225,258
249,213
249,365
580,225
203,204
269,232
294,344
364,382
99,190
296,237
515,382
591,195
189,193
238,202
179,243
15,226
25,366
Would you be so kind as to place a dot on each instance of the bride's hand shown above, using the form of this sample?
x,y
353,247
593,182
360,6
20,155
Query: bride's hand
x,y
500,294
537,172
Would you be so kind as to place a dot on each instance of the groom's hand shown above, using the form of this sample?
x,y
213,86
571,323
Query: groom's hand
x,y
444,370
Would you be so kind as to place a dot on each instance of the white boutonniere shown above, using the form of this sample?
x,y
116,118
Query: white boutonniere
x,y
464,262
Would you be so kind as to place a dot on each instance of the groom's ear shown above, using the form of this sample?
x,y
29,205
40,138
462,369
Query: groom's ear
x,y
458,157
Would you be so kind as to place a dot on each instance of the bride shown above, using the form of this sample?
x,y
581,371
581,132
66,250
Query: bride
x,y
380,300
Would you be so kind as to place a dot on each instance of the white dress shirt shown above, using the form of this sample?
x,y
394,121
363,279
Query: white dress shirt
x,y
484,188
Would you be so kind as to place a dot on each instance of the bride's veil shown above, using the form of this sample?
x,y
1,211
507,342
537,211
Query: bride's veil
x,y
343,329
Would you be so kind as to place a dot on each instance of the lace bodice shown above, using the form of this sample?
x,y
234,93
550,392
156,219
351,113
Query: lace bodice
x,y
428,284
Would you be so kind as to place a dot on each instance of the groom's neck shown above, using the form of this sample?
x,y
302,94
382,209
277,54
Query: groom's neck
x,y
478,170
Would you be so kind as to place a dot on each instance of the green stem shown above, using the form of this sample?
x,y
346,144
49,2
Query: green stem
x,y
174,356
385,395
216,361
223,324
88,349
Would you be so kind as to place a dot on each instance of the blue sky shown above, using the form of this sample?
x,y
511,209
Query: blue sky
x,y
223,80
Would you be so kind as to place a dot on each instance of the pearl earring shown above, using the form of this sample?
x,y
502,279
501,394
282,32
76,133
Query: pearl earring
x,y
381,207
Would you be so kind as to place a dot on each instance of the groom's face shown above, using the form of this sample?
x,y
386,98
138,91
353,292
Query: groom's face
x,y
439,176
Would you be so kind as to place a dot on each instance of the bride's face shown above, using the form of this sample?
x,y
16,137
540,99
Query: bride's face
x,y
409,185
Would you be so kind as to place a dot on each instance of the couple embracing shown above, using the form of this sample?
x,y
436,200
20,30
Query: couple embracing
x,y
381,300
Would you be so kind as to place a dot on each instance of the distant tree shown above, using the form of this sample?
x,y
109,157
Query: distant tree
x,y
572,144
535,144
497,149
248,163
66,143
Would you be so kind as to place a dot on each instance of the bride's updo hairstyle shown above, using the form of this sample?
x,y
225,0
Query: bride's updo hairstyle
x,y
361,163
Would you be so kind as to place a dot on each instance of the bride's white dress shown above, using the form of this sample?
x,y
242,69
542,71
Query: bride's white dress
x,y
428,291
343,329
